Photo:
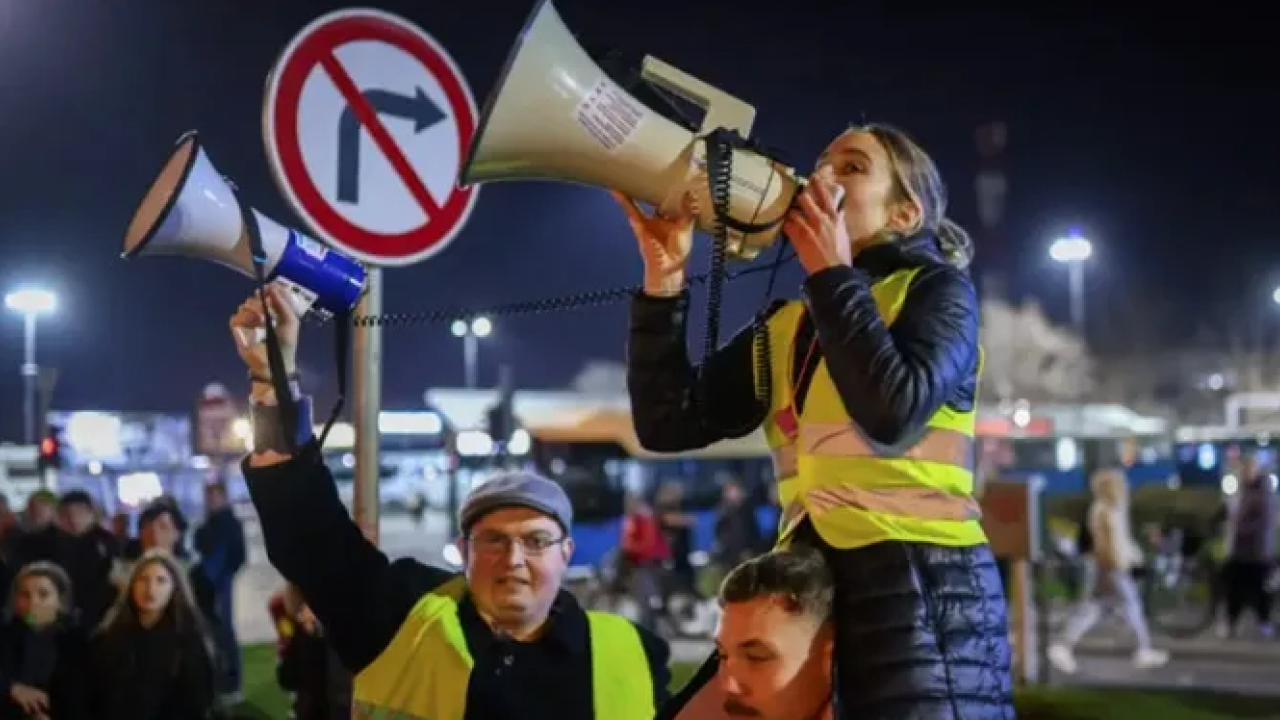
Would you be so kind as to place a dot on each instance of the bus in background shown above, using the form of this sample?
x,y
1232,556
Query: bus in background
x,y
1209,456
1062,444
414,455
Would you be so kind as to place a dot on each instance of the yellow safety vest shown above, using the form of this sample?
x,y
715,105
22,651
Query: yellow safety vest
x,y
424,672
855,491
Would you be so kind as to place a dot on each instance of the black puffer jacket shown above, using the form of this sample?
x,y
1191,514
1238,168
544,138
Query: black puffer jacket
x,y
922,629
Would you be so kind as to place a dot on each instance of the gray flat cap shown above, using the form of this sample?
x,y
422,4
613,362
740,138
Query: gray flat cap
x,y
517,489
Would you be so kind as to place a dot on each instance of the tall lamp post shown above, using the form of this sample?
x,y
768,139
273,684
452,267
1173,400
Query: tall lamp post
x,y
30,303
471,331
1073,251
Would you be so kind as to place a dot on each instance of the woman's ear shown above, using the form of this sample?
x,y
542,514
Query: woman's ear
x,y
905,217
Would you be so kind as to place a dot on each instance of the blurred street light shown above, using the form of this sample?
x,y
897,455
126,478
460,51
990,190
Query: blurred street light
x,y
30,303
1073,251
471,332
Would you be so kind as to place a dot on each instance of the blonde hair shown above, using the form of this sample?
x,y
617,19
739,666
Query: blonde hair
x,y
917,180
181,611
1110,487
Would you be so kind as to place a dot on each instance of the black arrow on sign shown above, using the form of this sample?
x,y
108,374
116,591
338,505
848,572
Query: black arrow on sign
x,y
417,107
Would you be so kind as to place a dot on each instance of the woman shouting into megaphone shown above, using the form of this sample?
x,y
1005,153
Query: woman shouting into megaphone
x,y
873,379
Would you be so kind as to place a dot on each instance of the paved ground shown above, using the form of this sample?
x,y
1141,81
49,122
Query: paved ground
x,y
1240,665
1225,674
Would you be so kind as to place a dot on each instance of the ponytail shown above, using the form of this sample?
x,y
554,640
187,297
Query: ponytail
x,y
955,243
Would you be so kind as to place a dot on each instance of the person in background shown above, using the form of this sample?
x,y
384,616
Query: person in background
x,y
1088,569
677,525
152,658
1250,535
502,641
774,513
38,538
8,520
220,545
42,649
119,525
645,550
161,526
307,666
868,404
1115,554
738,534
776,642
89,556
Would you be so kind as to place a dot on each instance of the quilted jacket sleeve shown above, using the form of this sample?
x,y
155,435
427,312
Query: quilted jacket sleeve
x,y
893,379
676,406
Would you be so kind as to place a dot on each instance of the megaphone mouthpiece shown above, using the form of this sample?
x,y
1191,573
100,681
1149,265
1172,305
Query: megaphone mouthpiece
x,y
191,210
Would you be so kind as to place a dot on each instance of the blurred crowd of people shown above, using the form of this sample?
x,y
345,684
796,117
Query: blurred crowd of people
x,y
100,624
1248,525
656,547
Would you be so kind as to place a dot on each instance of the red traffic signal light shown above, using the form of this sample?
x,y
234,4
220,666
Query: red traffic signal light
x,y
50,453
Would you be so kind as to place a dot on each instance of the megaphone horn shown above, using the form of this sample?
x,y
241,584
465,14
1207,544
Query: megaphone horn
x,y
192,211
554,114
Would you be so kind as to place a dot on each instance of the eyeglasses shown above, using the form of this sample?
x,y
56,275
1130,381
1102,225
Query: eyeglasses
x,y
495,543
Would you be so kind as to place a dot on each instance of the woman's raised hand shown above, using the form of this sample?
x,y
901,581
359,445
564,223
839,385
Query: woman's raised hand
x,y
665,243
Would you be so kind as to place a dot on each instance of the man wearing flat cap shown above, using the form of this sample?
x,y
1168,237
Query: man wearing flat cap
x,y
500,642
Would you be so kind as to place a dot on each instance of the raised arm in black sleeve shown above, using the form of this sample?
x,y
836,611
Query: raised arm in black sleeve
x,y
670,411
893,379
359,596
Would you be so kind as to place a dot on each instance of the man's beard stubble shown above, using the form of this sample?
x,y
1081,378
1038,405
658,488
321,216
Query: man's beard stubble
x,y
735,708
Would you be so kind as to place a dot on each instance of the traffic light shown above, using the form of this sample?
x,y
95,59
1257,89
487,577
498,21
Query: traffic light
x,y
50,450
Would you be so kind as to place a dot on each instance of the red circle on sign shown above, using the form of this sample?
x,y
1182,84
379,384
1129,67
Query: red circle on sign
x,y
314,48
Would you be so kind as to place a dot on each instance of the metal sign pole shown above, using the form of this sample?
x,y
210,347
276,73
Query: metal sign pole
x,y
369,206
366,406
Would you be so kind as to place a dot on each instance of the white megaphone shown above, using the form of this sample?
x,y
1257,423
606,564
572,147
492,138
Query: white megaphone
x,y
191,210
554,114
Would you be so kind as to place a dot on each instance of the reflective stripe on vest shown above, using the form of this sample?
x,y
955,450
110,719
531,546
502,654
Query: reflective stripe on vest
x,y
946,447
424,672
858,492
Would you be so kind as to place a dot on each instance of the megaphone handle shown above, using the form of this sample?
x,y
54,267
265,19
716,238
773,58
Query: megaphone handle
x,y
287,406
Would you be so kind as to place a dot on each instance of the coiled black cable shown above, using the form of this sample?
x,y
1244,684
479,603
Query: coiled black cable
x,y
538,306
719,159
720,145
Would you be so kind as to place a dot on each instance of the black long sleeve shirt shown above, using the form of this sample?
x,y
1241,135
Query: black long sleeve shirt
x,y
891,379
362,598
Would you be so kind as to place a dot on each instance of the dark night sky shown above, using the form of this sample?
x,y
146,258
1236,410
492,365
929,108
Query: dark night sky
x,y
1152,132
